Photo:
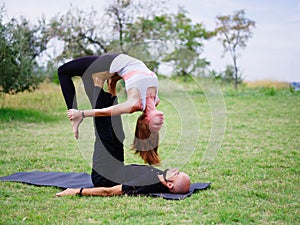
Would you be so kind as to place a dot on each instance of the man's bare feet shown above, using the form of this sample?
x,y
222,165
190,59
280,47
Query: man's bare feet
x,y
100,77
76,118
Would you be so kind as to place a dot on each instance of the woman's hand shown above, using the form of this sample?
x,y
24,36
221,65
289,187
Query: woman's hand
x,y
75,116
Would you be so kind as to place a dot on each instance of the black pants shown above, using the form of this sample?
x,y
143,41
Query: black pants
x,y
83,67
108,157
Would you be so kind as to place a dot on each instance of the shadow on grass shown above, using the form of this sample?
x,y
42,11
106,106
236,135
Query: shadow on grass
x,y
25,115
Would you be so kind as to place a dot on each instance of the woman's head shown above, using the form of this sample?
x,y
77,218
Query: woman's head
x,y
155,120
146,141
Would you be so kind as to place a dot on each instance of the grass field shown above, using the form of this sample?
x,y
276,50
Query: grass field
x,y
254,177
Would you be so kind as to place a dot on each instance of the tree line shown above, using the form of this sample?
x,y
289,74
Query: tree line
x,y
145,29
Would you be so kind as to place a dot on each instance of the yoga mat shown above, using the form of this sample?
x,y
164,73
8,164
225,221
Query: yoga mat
x,y
82,180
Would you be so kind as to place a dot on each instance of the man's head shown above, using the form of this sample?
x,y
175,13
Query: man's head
x,y
177,182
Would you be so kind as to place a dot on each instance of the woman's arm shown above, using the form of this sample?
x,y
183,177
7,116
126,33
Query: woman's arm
x,y
119,109
129,106
77,116
97,191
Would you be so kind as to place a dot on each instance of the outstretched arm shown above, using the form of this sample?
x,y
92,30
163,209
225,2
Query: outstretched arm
x,y
76,116
129,106
122,108
97,191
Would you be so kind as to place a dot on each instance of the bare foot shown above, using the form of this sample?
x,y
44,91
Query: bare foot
x,y
100,77
76,118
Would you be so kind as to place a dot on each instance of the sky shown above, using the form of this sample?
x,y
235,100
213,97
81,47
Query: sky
x,y
271,54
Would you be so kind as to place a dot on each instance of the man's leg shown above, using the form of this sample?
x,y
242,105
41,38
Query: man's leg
x,y
108,158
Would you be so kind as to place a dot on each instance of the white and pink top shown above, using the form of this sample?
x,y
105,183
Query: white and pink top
x,y
135,75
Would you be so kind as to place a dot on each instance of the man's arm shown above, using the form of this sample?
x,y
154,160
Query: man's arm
x,y
97,191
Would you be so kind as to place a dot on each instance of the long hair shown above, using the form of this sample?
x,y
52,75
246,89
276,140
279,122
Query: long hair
x,y
145,142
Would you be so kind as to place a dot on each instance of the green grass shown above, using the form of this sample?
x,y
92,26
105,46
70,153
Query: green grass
x,y
255,175
24,115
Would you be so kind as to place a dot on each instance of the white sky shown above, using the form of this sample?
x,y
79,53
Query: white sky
x,y
272,53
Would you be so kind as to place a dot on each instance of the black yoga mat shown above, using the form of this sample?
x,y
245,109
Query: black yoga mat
x,y
79,180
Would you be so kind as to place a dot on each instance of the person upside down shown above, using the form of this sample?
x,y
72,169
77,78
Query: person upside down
x,y
142,95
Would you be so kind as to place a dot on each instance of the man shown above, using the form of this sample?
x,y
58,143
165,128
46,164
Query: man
x,y
109,175
171,181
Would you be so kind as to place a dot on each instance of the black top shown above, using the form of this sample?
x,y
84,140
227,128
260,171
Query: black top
x,y
142,179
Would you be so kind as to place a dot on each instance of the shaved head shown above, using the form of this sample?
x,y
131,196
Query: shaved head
x,y
181,184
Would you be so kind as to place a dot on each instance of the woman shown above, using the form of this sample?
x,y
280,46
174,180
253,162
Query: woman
x,y
141,86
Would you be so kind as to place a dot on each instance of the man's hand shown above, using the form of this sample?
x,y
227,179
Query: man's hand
x,y
69,191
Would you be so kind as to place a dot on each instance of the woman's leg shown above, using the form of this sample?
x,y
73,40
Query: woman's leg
x,y
76,67
100,65
83,67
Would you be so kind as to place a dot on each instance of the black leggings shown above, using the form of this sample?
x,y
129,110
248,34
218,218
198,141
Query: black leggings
x,y
83,67
108,153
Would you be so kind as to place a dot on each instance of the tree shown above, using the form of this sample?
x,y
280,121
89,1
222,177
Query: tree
x,y
135,27
79,33
188,41
20,45
179,40
129,20
121,12
234,31
148,38
228,76
87,32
